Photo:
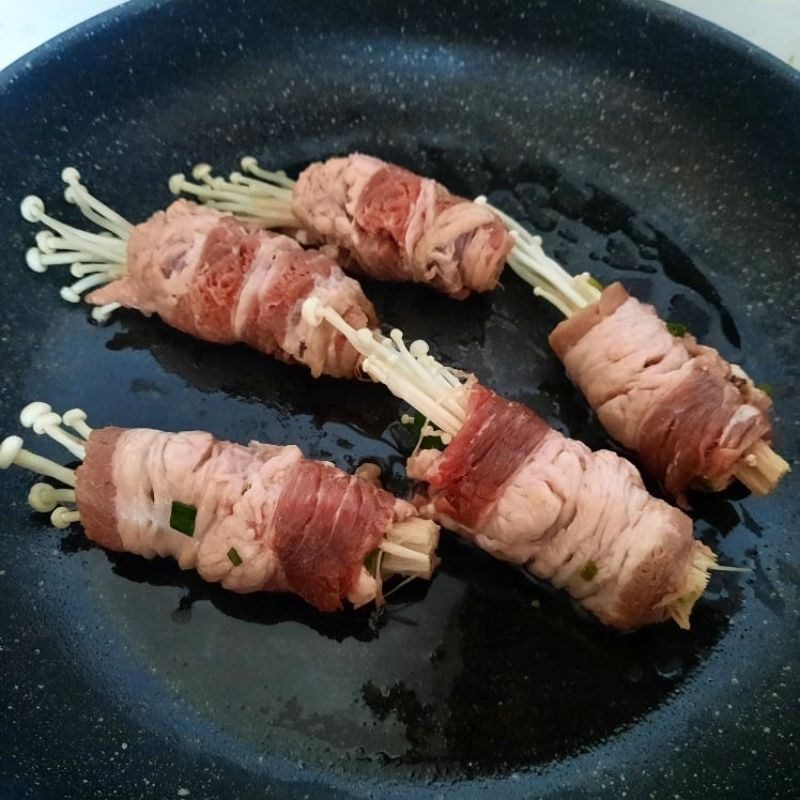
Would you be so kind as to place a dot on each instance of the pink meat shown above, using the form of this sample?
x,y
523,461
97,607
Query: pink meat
x,y
218,279
295,525
579,519
679,405
396,226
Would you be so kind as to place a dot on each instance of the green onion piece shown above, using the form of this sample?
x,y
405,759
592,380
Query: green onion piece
x,y
589,570
767,388
234,557
371,562
182,518
592,281
677,329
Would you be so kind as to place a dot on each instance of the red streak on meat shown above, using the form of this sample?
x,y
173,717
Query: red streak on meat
x,y
496,438
581,520
396,226
298,272
222,280
386,202
95,492
205,310
326,523
296,525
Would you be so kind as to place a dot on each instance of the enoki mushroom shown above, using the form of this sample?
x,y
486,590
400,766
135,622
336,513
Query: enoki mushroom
x,y
409,372
760,468
93,258
44,497
260,196
265,198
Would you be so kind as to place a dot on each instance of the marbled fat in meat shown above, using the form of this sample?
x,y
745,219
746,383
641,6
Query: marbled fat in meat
x,y
683,408
296,525
578,519
221,280
396,226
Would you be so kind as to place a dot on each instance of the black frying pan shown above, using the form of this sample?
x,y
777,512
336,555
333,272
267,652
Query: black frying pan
x,y
647,146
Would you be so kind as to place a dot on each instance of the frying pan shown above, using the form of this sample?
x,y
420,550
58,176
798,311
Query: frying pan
x,y
645,145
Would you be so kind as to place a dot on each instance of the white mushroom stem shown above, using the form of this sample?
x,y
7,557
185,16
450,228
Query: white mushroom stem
x,y
761,469
92,208
102,313
550,280
265,199
43,420
277,178
72,294
93,258
44,498
679,604
409,548
410,373
12,452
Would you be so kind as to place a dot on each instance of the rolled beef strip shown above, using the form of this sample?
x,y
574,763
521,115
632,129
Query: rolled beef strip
x,y
210,275
688,413
581,520
396,226
267,518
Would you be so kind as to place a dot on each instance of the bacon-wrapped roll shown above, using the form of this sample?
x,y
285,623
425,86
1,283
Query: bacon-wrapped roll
x,y
694,419
206,273
391,224
686,411
525,493
581,520
253,518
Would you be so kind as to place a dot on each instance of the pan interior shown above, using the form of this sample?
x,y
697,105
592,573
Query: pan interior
x,y
482,674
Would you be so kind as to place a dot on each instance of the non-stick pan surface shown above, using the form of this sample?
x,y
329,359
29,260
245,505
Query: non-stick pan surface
x,y
645,146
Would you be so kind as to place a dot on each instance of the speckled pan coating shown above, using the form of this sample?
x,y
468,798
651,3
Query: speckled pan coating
x,y
646,147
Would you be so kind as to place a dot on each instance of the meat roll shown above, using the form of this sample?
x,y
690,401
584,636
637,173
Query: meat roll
x,y
685,410
693,418
253,518
580,520
384,217
207,274
388,223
